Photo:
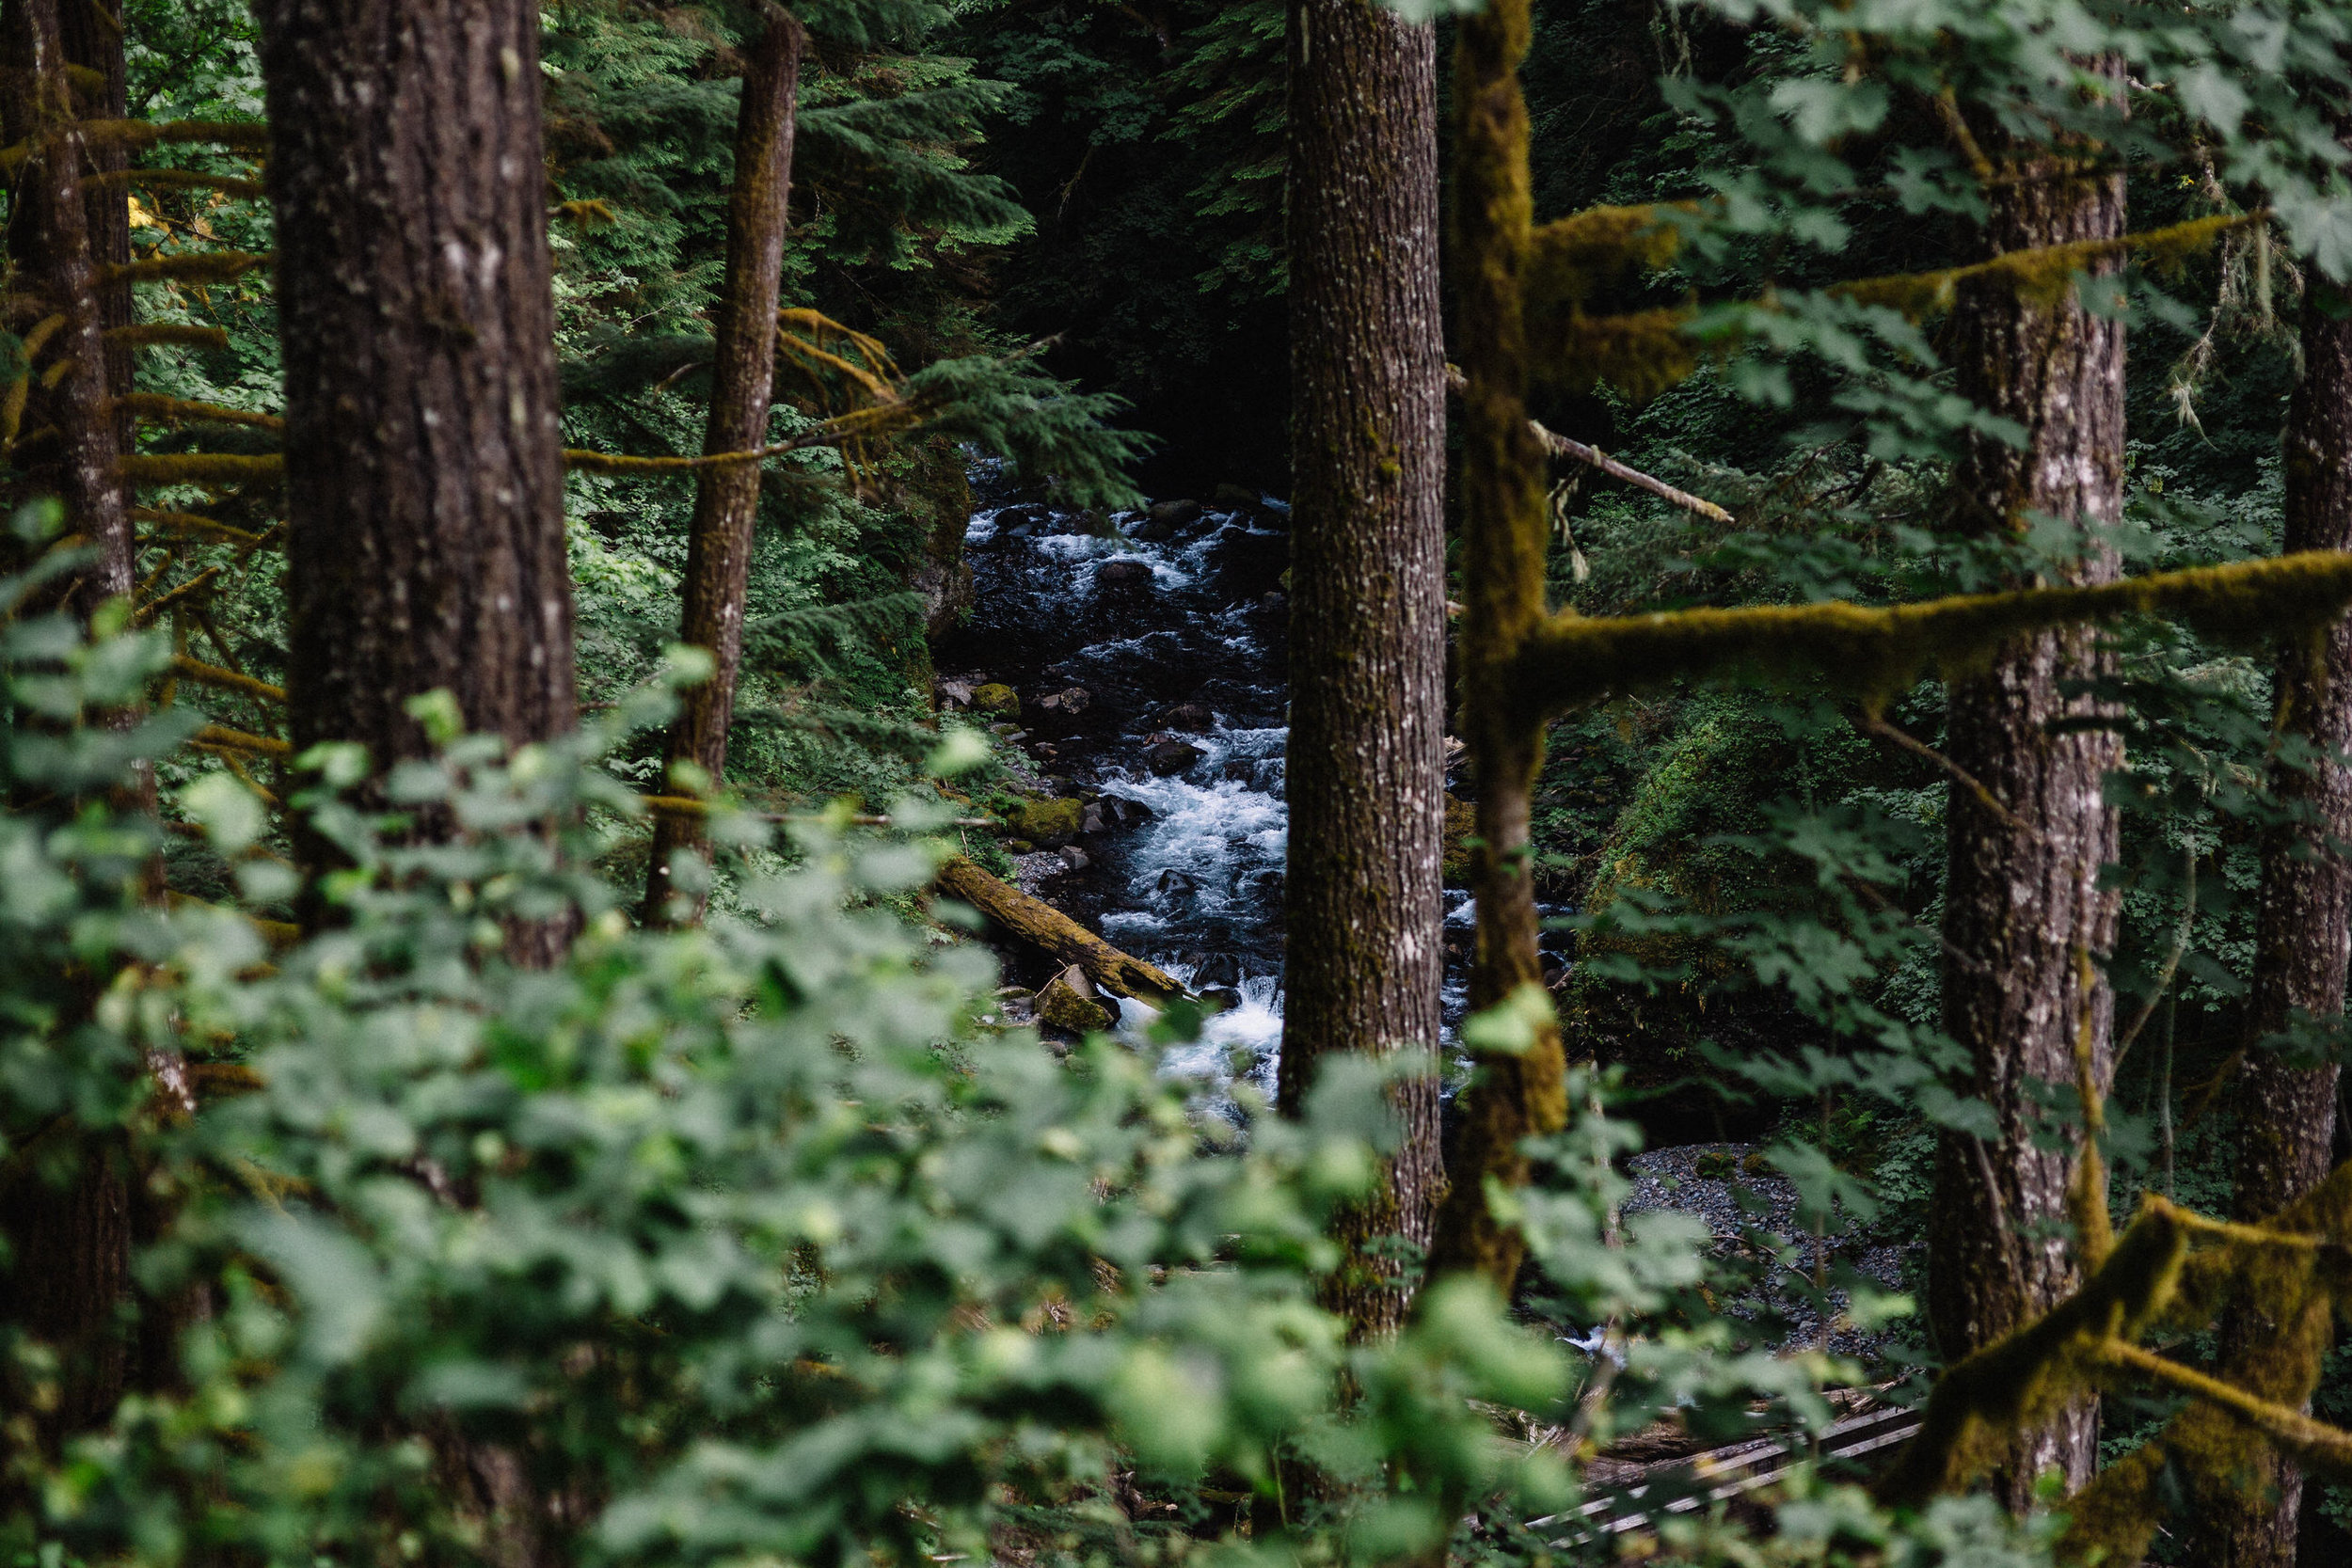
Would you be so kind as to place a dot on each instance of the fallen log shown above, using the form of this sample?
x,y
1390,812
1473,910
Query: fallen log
x,y
1040,925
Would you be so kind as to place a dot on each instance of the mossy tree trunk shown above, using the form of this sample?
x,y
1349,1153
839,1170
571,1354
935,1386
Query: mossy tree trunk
x,y
425,544
65,1208
1362,901
50,246
2023,905
726,499
2286,1113
1521,1092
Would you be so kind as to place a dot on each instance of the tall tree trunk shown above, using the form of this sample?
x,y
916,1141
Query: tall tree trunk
x,y
50,243
2286,1115
2023,906
726,499
425,478
66,1240
1521,1091
92,38
1362,901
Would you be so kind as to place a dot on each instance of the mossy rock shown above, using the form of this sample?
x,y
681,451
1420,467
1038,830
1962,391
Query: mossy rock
x,y
1461,826
996,697
1716,1164
1052,823
1069,1003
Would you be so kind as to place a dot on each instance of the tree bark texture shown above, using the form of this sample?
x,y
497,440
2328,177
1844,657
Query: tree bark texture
x,y
425,478
93,39
50,244
1516,1094
2286,1113
726,499
1362,896
2025,918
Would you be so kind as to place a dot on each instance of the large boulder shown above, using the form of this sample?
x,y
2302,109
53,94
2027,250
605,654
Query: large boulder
x,y
1235,497
1176,514
1123,574
996,698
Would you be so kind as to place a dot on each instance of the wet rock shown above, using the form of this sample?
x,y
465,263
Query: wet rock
x,y
1070,1002
1273,602
1171,881
1092,819
1120,812
952,693
1050,823
1069,700
1169,757
1189,716
1075,858
1016,521
1217,969
995,697
1235,497
1123,574
1176,514
1153,531
1240,771
1222,999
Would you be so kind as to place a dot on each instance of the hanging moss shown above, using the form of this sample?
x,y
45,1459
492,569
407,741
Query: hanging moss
x,y
1640,354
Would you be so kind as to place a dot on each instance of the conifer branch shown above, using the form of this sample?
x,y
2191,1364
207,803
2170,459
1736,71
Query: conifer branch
x,y
2019,1379
199,584
189,524
1562,445
134,135
154,406
159,334
219,737
187,669
176,179
1571,659
2312,1444
859,424
199,468
211,266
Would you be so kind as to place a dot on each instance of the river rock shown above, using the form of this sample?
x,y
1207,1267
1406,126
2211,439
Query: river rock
x,y
1235,497
1151,531
1074,858
995,697
1176,514
1120,812
1189,716
1123,574
1221,999
1168,758
1070,1002
1216,969
1023,519
1070,699
1240,771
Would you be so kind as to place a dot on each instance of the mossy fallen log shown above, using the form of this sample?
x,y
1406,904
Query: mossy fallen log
x,y
1040,925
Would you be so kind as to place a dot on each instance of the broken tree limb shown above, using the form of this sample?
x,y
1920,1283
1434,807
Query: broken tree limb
x,y
1562,445
196,670
1040,925
1573,659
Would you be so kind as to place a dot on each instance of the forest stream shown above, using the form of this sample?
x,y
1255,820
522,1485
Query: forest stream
x,y
1147,653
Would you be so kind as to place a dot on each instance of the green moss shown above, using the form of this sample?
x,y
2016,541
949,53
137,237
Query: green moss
x,y
1461,825
1045,821
996,698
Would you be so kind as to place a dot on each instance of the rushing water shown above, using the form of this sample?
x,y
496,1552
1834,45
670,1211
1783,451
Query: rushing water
x,y
1175,639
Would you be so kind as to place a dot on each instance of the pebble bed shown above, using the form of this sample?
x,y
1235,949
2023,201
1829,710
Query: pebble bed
x,y
1737,1203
